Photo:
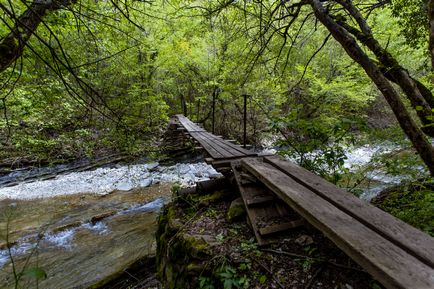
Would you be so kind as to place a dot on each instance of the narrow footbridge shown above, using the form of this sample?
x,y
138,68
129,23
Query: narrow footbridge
x,y
280,195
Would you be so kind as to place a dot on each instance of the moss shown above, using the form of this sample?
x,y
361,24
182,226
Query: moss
x,y
236,210
195,246
194,268
207,200
179,255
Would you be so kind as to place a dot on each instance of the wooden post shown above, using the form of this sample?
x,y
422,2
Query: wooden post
x,y
245,121
198,111
213,109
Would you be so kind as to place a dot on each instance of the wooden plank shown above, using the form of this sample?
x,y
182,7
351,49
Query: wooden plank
x,y
209,160
237,148
211,150
218,143
188,124
251,214
410,239
209,143
273,229
258,200
214,145
230,149
268,215
388,263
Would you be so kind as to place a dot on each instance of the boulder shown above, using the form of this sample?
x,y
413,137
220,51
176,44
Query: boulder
x,y
236,211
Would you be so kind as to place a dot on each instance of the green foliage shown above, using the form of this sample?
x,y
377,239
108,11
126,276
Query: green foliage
x,y
412,203
205,283
249,247
227,277
138,77
175,188
400,162
413,19
231,279
317,146
308,262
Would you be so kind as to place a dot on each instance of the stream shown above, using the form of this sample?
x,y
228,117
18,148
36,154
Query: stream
x,y
84,227
358,158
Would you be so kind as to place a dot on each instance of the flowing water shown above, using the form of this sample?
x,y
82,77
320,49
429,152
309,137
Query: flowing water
x,y
84,227
357,158
81,228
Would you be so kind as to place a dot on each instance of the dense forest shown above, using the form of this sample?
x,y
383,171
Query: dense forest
x,y
85,79
89,76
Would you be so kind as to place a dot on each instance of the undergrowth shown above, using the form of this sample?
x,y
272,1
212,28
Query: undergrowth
x,y
413,203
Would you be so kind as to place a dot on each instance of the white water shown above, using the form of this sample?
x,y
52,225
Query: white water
x,y
360,156
65,239
356,158
21,249
62,239
152,206
99,181
105,180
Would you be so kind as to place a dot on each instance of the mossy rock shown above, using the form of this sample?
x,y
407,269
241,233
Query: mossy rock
x,y
236,211
179,254
218,196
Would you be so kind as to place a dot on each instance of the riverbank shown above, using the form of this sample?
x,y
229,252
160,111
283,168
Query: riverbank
x,y
79,240
86,228
201,245
74,217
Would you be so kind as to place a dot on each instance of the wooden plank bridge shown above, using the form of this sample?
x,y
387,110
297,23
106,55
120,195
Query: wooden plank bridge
x,y
279,195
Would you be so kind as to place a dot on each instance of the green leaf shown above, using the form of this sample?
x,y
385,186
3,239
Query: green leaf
x,y
36,272
228,284
262,279
419,108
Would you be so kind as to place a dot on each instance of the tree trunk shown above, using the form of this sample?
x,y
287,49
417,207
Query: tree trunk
x,y
431,30
12,45
420,97
408,125
183,105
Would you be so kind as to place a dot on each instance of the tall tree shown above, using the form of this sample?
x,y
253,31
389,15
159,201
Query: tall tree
x,y
24,26
338,17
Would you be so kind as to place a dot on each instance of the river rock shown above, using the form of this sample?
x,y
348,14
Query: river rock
x,y
152,166
304,240
145,182
236,210
66,227
124,186
101,216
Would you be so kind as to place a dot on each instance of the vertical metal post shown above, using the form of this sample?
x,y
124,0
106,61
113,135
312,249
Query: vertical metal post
x,y
213,109
198,111
245,121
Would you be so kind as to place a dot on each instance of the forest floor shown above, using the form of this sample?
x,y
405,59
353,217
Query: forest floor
x,y
301,258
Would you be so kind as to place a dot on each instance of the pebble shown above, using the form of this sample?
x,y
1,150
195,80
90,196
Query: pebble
x,y
105,180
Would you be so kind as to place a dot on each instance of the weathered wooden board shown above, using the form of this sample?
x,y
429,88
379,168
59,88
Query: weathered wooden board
x,y
280,227
217,147
188,124
387,262
210,149
417,243
266,218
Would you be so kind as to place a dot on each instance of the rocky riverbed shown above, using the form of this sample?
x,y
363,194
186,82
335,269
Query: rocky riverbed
x,y
85,228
